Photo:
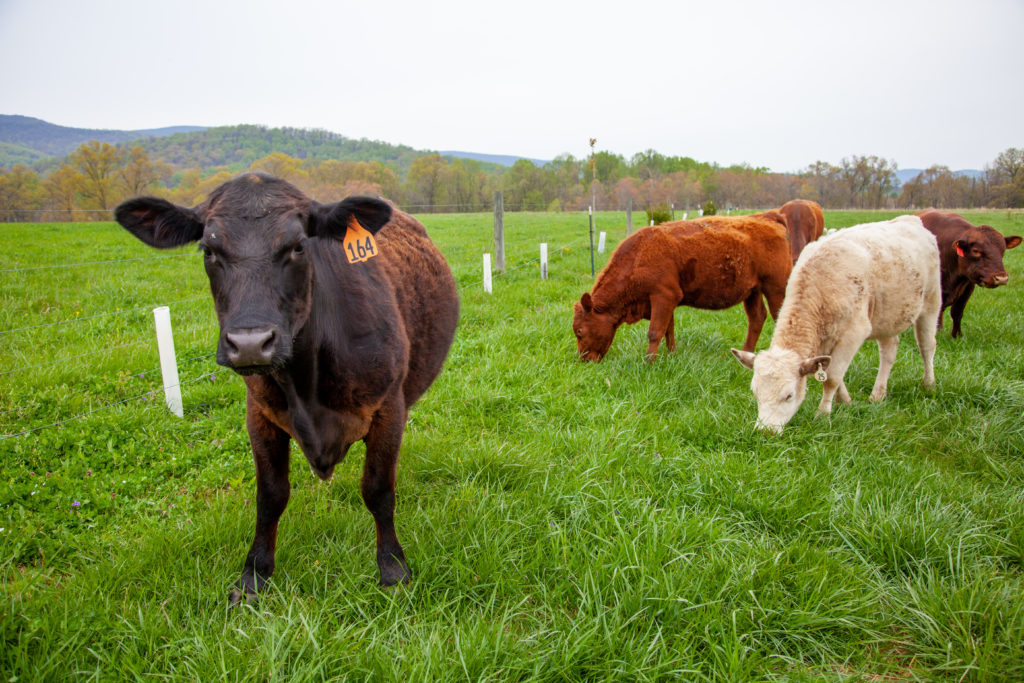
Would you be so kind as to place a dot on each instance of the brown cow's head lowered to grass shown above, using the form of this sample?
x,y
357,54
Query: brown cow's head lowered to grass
x,y
594,330
254,233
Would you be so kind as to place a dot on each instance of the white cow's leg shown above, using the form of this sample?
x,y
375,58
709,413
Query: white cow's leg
x,y
886,357
842,394
924,333
842,354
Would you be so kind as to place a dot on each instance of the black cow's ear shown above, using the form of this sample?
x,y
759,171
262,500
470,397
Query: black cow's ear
x,y
332,220
159,223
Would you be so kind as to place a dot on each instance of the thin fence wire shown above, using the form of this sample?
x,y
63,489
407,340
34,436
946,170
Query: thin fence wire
x,y
107,406
133,375
557,252
100,315
95,263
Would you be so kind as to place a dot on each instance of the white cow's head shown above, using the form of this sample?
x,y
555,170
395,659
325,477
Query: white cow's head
x,y
779,383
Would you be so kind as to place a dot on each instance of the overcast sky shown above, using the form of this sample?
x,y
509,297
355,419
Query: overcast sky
x,y
776,84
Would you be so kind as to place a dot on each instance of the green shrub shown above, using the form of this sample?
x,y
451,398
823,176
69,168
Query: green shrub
x,y
659,213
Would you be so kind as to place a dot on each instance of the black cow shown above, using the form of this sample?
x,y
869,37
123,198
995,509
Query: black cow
x,y
339,316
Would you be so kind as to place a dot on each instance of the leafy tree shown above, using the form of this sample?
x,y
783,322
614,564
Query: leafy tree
x,y
284,167
21,194
61,188
98,164
1005,177
423,185
140,174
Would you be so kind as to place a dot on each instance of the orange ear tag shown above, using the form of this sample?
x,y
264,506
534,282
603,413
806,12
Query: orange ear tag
x,y
359,243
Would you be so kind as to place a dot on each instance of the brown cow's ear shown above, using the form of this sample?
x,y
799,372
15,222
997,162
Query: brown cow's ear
x,y
587,302
159,223
332,220
1012,241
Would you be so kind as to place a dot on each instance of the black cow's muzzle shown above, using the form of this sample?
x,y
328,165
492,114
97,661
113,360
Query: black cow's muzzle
x,y
249,350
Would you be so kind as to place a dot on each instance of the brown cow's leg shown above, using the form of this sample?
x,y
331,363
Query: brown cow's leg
x,y
270,453
378,487
956,311
756,314
661,323
775,296
670,333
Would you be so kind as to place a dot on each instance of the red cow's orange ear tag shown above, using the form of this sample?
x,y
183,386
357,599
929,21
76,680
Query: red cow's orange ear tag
x,y
359,243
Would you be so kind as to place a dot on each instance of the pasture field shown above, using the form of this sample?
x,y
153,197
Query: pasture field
x,y
612,521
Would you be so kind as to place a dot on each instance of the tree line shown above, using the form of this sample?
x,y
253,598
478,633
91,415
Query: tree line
x,y
94,178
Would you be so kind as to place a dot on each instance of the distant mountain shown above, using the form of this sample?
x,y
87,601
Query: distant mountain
x,y
48,139
906,174
501,159
40,144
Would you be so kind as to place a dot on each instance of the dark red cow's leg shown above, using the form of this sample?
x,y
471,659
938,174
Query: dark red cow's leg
x,y
756,315
270,453
378,487
956,311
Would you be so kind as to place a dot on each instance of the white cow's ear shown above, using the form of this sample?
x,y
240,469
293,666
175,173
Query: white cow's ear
x,y
746,358
810,366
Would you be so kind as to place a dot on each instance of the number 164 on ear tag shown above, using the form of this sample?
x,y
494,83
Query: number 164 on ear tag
x,y
359,243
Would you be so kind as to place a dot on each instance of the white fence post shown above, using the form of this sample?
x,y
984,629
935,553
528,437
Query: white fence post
x,y
488,287
543,260
600,243
168,365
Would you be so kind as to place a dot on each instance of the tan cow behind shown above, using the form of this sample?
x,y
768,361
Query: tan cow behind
x,y
871,281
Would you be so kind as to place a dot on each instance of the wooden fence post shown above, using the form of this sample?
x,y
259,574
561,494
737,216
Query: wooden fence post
x,y
629,216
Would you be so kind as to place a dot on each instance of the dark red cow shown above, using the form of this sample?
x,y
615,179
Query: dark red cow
x,y
713,263
969,255
804,223
339,316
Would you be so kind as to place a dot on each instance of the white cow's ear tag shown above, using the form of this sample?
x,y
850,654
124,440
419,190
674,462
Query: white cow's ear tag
x,y
821,375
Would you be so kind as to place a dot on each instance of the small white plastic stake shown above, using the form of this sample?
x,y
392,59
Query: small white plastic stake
x,y
685,213
600,243
488,287
543,260
168,365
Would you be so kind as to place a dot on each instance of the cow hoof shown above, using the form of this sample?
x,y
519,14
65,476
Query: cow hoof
x,y
876,396
238,597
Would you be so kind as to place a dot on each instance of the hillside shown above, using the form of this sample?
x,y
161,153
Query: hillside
x,y
500,159
238,146
31,141
46,139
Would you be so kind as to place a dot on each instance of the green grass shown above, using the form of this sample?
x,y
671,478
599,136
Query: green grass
x,y
613,521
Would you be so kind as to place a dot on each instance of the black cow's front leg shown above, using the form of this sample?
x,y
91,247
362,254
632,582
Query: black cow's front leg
x,y
270,453
378,487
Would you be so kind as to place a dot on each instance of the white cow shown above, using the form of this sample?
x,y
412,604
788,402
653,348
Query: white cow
x,y
871,281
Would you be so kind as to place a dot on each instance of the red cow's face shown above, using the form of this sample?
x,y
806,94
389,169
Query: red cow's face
x,y
980,255
594,330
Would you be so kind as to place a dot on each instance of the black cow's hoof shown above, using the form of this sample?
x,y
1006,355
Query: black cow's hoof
x,y
246,597
394,573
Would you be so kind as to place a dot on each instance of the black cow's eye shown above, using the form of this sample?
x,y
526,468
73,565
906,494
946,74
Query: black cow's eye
x,y
299,249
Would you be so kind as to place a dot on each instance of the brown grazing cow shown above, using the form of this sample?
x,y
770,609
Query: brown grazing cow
x,y
804,223
713,263
339,316
969,255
